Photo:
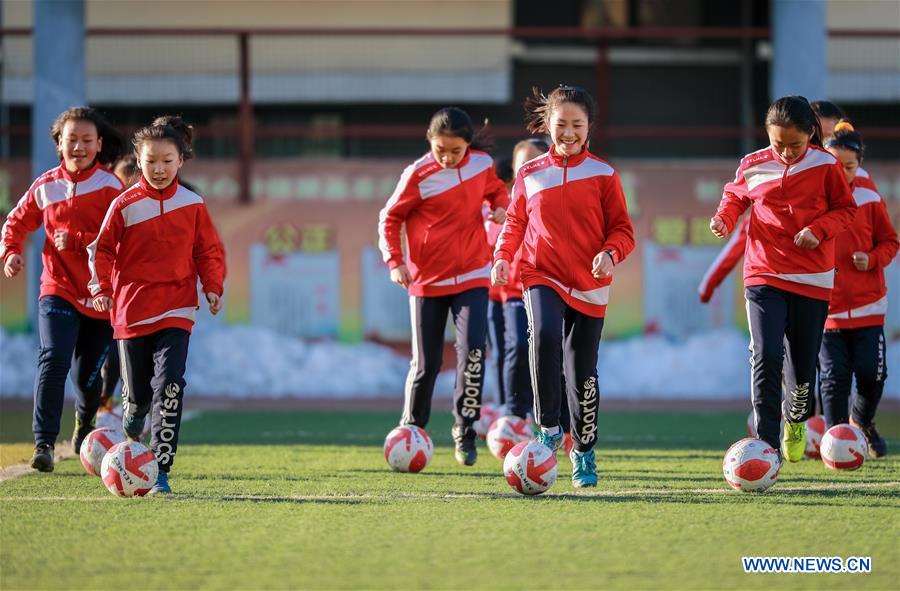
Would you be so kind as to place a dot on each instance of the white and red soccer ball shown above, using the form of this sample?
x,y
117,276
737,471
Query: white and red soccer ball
x,y
751,465
129,469
96,445
109,419
530,467
844,447
112,419
408,448
489,414
506,432
815,429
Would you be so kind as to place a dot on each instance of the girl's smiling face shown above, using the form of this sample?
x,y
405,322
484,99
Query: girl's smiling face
x,y
789,143
79,144
448,150
160,161
568,127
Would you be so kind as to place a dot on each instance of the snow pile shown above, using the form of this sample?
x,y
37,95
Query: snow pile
x,y
18,360
712,364
247,361
250,361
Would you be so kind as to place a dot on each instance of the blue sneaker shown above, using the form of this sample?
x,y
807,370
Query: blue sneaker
x,y
584,469
162,485
554,442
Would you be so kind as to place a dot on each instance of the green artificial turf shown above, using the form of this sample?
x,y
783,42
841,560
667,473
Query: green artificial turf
x,y
305,500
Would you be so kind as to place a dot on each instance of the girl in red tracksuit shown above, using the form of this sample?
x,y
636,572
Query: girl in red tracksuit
x,y
446,267
496,320
853,344
156,239
568,214
70,201
800,201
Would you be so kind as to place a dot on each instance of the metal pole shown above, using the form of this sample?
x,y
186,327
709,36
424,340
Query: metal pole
x,y
746,76
246,123
601,132
58,77
799,43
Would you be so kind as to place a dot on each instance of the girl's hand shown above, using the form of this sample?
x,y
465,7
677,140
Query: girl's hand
x,y
806,239
14,263
500,273
60,239
102,303
861,261
215,302
498,216
400,275
718,227
603,265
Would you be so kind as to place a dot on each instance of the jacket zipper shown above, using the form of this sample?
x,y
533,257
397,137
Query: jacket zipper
x,y
568,218
459,264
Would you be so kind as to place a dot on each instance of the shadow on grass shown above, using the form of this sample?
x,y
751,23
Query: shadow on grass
x,y
248,478
426,473
267,500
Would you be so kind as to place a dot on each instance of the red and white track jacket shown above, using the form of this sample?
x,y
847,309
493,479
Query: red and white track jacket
x,y
147,258
564,212
810,193
493,232
76,203
859,298
728,257
447,249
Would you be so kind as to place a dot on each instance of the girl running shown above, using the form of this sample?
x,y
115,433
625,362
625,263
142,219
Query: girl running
x,y
568,214
801,201
156,240
853,345
446,267
70,201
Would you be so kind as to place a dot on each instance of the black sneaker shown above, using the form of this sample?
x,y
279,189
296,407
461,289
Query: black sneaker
x,y
133,426
42,460
464,438
82,430
877,444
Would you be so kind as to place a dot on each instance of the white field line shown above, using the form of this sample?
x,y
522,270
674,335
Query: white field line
x,y
641,492
64,451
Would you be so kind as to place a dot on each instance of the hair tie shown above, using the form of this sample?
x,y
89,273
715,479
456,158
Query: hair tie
x,y
843,144
843,125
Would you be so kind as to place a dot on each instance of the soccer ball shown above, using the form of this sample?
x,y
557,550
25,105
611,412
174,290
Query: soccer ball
x,y
815,429
844,447
112,419
505,433
95,446
489,414
751,465
129,469
530,467
408,448
109,419
751,427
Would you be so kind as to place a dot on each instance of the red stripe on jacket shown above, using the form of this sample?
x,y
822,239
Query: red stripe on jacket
x,y
564,212
153,247
810,193
447,249
76,203
859,298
